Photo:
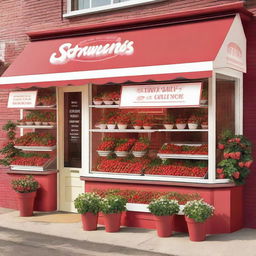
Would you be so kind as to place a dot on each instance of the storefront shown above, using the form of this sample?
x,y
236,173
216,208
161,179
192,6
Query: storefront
x,y
117,96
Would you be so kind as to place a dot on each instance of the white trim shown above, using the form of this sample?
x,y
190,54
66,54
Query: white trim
x,y
212,128
108,73
105,8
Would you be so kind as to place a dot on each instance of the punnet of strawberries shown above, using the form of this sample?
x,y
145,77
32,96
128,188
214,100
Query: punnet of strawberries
x,y
237,157
36,139
169,148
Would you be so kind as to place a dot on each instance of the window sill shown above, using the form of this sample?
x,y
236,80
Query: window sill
x,y
201,183
132,3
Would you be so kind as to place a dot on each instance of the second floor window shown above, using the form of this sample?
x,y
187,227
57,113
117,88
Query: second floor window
x,y
87,4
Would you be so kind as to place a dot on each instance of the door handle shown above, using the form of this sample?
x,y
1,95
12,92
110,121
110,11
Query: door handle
x,y
74,171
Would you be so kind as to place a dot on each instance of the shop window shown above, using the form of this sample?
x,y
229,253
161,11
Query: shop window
x,y
80,7
72,128
169,143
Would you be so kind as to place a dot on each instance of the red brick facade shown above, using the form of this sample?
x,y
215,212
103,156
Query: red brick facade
x,y
19,17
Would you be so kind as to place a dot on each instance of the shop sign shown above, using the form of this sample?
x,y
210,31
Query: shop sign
x,y
161,95
25,99
92,50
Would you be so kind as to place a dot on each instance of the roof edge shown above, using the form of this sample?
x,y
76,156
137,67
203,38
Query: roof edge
x,y
237,7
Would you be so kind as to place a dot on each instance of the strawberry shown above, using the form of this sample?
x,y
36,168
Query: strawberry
x,y
237,155
221,146
221,176
226,155
219,170
248,164
236,175
241,164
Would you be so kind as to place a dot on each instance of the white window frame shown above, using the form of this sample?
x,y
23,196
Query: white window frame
x,y
105,8
212,141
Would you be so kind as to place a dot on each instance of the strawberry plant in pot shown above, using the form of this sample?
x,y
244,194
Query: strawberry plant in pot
x,y
163,210
26,188
204,96
137,123
237,154
122,121
106,147
181,123
97,100
196,213
168,122
123,146
112,207
193,122
116,97
88,205
107,98
140,147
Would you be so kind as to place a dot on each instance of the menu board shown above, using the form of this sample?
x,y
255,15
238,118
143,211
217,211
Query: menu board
x,y
72,129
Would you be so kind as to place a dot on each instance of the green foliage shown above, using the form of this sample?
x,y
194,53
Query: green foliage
x,y
26,184
163,206
87,202
113,204
198,210
237,153
9,151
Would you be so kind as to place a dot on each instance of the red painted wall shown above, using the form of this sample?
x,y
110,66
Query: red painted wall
x,y
18,17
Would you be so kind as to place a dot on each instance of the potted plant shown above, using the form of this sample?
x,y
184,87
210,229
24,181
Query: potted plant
x,y
88,205
204,96
168,122
112,207
196,213
122,121
163,210
102,123
137,124
26,188
116,97
107,99
111,123
204,124
97,100
123,146
181,123
140,147
193,122
106,147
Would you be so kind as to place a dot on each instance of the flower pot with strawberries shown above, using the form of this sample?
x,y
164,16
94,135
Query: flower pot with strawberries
x,y
116,97
181,123
106,146
204,125
140,147
163,210
122,121
123,146
112,207
88,205
204,96
168,122
107,99
97,100
137,124
196,213
111,125
26,188
193,122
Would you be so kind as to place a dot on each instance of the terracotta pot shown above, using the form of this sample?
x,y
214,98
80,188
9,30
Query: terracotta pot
x,y
89,221
112,221
26,203
164,225
196,230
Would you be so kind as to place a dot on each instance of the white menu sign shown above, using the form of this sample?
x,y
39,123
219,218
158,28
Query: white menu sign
x,y
161,95
22,99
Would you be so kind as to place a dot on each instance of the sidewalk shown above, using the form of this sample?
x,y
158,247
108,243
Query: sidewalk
x,y
68,225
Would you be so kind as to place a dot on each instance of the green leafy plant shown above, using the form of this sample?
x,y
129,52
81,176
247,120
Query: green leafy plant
x,y
164,206
88,202
25,184
237,154
9,151
198,210
113,204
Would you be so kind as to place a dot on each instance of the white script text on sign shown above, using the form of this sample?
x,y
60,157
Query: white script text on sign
x,y
26,99
92,50
161,95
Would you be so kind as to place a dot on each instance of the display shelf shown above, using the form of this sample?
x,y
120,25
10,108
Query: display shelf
x,y
33,168
118,106
182,156
36,126
36,148
123,130
147,131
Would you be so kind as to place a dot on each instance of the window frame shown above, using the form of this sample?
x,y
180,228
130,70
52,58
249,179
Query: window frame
x,y
106,8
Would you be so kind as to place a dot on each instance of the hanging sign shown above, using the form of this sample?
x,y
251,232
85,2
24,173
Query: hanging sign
x,y
22,99
161,95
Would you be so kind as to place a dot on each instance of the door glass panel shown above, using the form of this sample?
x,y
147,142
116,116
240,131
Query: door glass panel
x,y
72,129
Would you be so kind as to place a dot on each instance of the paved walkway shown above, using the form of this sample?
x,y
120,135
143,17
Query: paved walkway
x,y
238,243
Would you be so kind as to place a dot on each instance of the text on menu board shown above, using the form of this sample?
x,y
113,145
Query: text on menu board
x,y
161,95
